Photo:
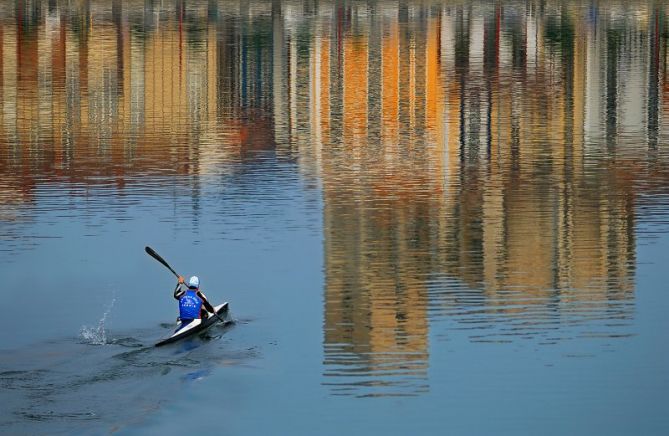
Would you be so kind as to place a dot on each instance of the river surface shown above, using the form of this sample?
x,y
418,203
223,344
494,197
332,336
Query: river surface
x,y
427,217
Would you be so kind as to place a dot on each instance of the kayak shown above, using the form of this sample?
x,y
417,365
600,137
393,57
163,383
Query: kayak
x,y
195,326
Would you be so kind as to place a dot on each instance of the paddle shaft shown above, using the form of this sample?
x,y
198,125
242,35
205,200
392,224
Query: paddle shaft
x,y
151,252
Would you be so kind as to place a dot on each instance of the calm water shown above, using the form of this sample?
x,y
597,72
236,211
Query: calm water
x,y
428,217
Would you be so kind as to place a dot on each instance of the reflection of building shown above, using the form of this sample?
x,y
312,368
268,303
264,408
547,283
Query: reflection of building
x,y
377,182
101,90
459,146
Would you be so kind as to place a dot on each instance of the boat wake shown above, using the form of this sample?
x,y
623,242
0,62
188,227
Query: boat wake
x,y
68,387
97,335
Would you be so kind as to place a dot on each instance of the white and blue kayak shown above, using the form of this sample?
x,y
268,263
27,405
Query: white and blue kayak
x,y
195,326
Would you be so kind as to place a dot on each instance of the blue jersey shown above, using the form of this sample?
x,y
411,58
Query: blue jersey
x,y
189,305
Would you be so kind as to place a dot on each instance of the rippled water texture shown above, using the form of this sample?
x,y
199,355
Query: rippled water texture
x,y
427,217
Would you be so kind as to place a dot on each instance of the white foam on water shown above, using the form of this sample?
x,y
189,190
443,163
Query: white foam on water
x,y
97,335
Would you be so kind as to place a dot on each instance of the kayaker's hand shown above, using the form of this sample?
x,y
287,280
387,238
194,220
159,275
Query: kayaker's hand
x,y
181,280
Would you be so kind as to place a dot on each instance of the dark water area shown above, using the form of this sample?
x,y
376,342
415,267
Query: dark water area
x,y
427,217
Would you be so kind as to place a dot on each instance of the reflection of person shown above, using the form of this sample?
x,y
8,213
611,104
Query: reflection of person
x,y
193,303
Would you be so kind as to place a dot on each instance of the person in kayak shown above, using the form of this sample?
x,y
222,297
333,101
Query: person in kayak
x,y
193,303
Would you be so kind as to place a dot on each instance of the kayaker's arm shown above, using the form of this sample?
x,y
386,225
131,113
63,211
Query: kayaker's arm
x,y
178,291
205,302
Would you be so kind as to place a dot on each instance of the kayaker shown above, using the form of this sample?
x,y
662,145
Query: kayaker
x,y
193,303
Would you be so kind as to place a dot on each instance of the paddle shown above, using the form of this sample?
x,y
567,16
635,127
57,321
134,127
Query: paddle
x,y
151,252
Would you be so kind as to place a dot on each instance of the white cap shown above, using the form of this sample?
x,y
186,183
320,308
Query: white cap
x,y
194,282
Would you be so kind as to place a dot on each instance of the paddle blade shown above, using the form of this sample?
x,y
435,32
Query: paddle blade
x,y
151,252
